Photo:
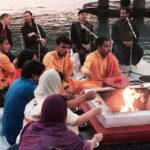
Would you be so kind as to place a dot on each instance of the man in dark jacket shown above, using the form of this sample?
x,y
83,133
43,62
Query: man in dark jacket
x,y
80,37
33,35
5,20
125,40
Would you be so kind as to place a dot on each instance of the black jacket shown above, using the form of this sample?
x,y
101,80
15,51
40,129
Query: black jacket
x,y
31,42
76,37
9,37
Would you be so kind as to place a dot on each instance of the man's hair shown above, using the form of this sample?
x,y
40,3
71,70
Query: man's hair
x,y
82,11
63,39
100,41
4,15
29,12
126,9
2,39
23,56
32,67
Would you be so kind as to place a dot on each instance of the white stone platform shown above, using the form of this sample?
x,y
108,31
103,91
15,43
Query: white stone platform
x,y
118,119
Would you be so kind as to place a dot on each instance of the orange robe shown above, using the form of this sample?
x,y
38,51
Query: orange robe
x,y
100,68
16,75
64,65
6,70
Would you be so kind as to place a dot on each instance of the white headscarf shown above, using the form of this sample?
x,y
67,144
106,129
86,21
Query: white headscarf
x,y
49,83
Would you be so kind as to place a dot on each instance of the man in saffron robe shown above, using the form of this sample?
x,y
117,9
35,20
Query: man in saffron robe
x,y
6,67
100,64
60,60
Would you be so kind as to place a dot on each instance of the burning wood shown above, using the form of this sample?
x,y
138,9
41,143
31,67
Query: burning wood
x,y
126,100
123,107
133,100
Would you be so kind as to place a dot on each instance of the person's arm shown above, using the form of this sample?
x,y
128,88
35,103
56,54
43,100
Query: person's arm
x,y
69,68
9,36
86,116
28,36
7,65
96,138
86,67
72,104
43,34
115,35
113,68
48,61
75,34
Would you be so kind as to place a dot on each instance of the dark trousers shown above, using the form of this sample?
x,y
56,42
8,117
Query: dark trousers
x,y
82,55
123,54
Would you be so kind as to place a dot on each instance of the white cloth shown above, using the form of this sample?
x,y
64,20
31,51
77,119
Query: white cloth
x,y
3,143
71,118
76,61
1,116
49,83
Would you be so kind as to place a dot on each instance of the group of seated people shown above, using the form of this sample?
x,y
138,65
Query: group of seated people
x,y
40,96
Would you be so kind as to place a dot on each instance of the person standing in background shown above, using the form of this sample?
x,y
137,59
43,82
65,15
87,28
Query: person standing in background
x,y
34,36
80,37
125,40
5,21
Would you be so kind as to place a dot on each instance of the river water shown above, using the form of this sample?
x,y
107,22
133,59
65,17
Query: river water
x,y
56,17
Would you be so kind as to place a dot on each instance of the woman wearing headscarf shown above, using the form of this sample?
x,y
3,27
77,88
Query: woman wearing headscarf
x,y
50,83
51,131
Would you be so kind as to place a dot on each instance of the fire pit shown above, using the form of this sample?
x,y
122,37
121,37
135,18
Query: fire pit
x,y
123,107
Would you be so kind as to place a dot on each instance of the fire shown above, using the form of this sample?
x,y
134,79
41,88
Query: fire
x,y
132,97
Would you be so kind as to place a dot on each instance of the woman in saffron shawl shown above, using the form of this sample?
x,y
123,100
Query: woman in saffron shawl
x,y
51,130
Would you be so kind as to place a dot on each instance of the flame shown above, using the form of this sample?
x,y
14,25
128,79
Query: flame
x,y
130,96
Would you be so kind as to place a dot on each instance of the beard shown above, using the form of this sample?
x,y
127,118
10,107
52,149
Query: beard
x,y
61,54
104,54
